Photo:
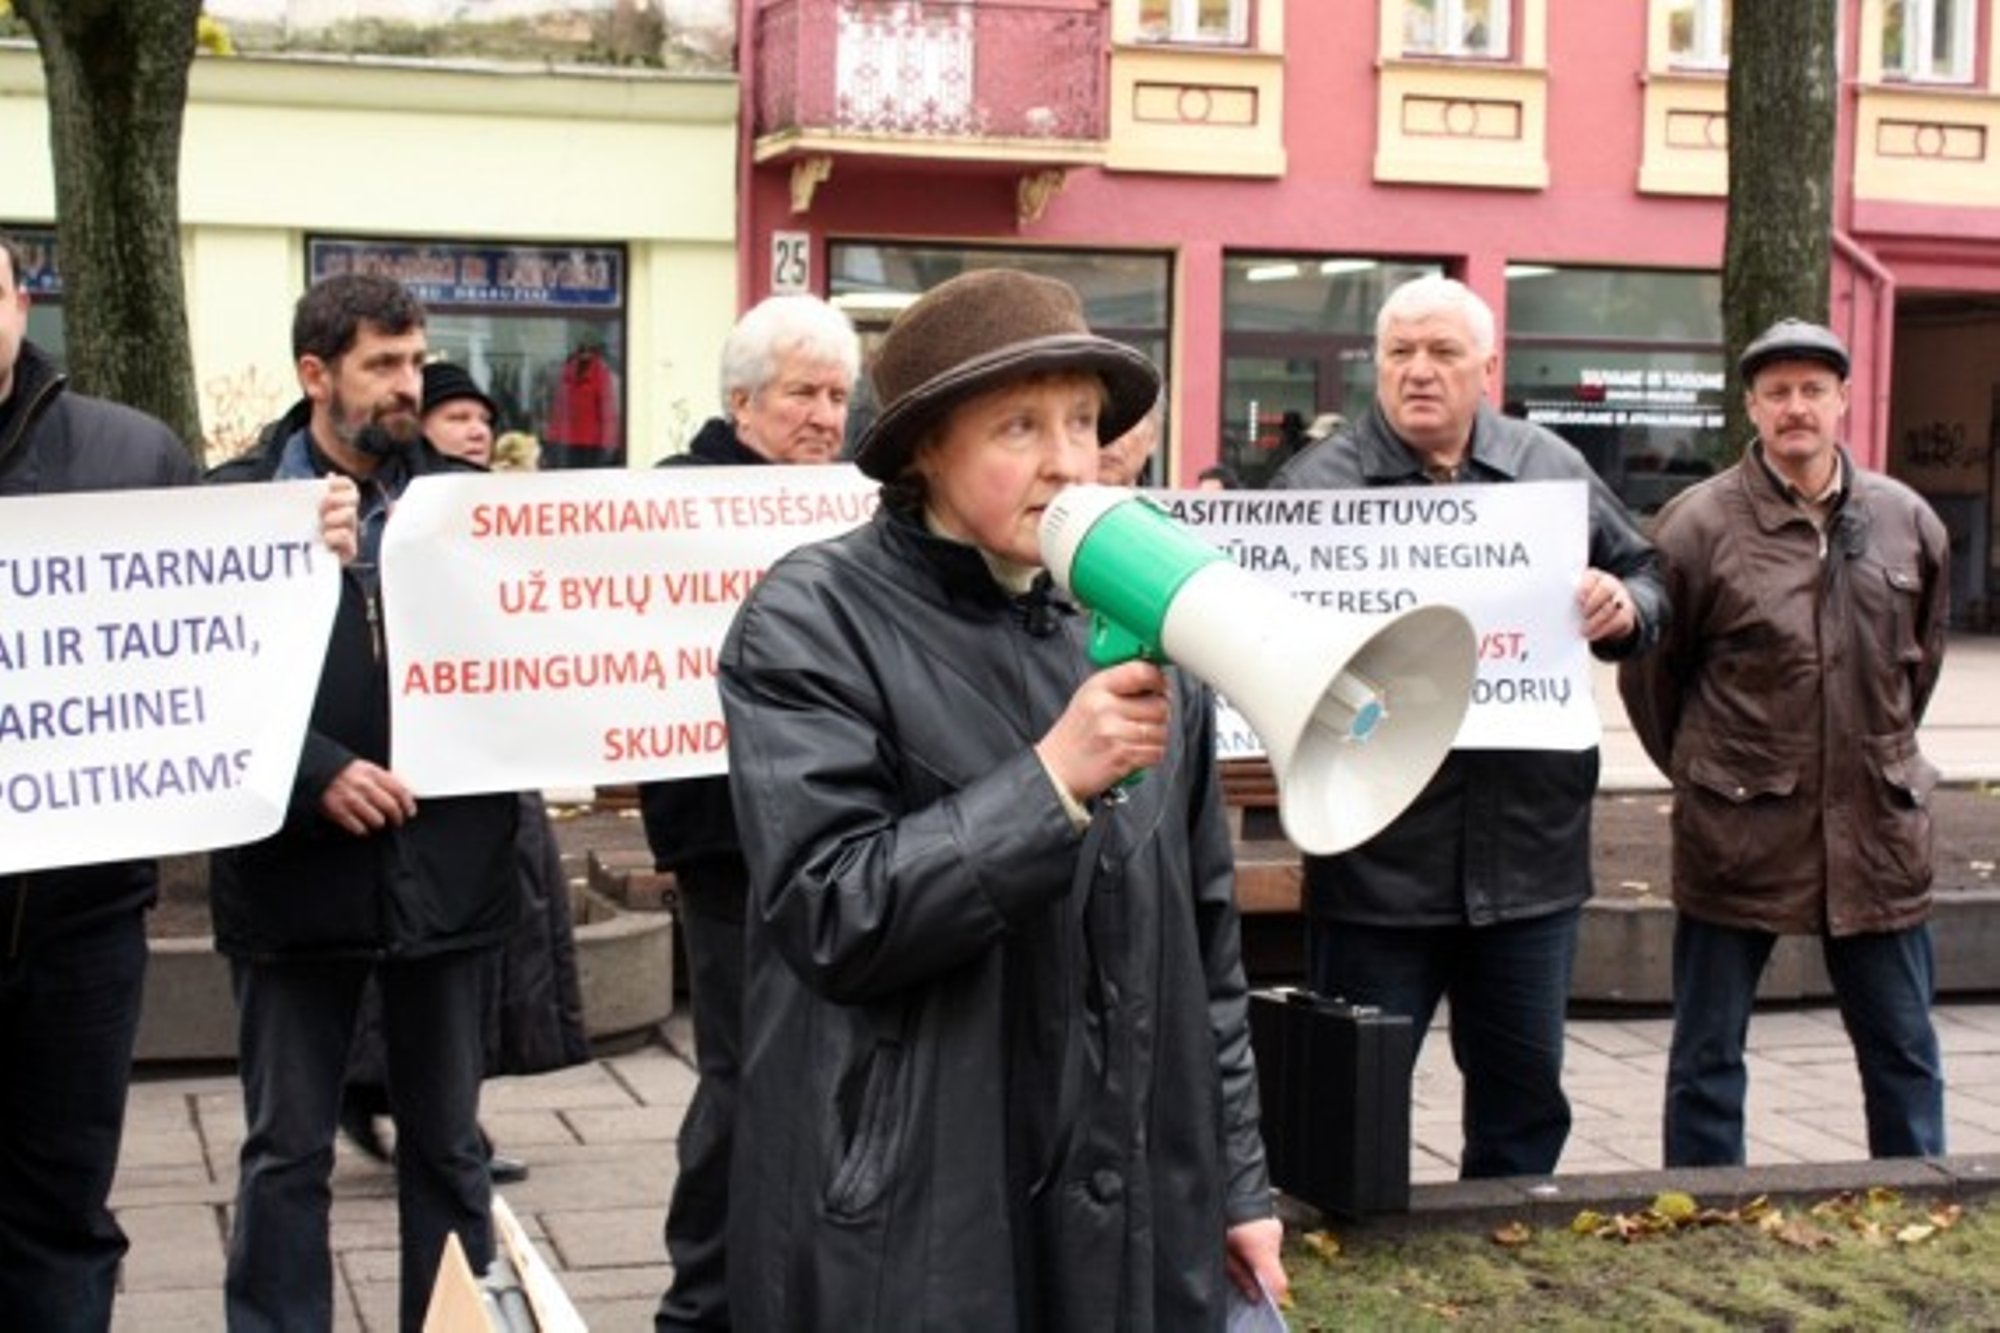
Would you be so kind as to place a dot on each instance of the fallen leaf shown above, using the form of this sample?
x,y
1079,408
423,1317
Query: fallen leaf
x,y
1513,1234
1674,1206
1803,1235
1915,1233
1322,1243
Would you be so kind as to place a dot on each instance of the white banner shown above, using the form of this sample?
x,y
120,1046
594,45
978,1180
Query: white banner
x,y
560,629
159,654
1508,556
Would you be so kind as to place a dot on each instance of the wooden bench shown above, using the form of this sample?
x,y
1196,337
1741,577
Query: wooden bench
x,y
1268,876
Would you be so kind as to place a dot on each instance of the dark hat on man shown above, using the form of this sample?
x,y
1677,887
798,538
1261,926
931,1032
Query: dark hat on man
x,y
1793,340
445,380
978,331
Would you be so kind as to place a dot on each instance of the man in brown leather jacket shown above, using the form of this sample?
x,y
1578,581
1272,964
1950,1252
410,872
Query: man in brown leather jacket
x,y
1806,636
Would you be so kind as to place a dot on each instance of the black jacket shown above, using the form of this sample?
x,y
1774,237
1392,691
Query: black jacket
x,y
1498,835
56,442
444,880
690,819
997,1071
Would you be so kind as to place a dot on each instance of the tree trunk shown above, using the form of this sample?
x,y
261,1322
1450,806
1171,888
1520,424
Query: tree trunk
x,y
117,75
1783,90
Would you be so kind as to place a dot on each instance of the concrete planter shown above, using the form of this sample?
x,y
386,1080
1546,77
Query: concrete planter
x,y
1625,952
624,966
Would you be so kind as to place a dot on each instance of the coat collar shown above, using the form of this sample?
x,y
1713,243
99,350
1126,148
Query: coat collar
x,y
1772,501
1496,450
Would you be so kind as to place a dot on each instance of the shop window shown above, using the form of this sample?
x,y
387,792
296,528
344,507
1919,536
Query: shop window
x,y
43,284
1928,40
1125,296
1298,351
1625,364
1698,34
1212,22
540,327
1457,28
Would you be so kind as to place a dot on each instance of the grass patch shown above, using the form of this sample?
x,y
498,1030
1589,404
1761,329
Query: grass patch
x,y
1843,1264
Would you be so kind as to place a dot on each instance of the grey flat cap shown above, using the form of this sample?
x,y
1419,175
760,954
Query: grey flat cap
x,y
1793,340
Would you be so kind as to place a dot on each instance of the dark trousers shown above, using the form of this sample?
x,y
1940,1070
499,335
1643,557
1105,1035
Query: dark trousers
x,y
1884,985
295,1024
713,897
1508,985
69,1013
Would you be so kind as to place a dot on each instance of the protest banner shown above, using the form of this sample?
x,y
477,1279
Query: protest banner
x,y
1509,557
159,653
561,629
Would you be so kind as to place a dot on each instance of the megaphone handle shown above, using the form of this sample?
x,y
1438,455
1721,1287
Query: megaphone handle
x,y
1110,644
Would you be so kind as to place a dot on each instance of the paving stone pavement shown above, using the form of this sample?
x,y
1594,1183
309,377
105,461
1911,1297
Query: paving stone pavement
x,y
600,1138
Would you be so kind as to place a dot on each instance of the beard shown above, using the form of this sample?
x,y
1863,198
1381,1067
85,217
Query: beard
x,y
390,427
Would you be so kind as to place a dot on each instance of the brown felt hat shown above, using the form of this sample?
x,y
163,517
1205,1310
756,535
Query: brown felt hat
x,y
978,331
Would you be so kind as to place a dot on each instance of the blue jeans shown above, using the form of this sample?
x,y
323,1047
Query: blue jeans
x,y
295,1024
69,1013
1509,990
1884,985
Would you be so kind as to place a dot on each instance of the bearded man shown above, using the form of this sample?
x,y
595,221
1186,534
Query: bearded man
x,y
358,880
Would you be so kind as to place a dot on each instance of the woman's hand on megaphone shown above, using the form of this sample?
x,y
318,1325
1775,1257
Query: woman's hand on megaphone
x,y
1116,724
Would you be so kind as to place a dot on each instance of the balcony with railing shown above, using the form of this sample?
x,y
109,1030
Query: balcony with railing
x,y
1019,84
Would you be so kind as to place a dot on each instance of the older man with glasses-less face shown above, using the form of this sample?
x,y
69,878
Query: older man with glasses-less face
x,y
1809,602
787,372
1474,893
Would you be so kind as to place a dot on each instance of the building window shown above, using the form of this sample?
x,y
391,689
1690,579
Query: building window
x,y
1625,364
1204,21
1457,28
1698,34
1298,351
540,327
1125,296
1928,40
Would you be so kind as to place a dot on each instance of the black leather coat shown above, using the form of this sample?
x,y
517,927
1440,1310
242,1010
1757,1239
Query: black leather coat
x,y
998,1071
1498,835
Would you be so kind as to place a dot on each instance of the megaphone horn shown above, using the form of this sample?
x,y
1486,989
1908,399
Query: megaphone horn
x,y
1355,715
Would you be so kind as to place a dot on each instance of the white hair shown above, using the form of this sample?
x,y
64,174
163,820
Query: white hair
x,y
777,327
1434,294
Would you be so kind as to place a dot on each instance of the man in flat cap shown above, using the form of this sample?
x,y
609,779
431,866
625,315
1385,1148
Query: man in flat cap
x,y
1806,636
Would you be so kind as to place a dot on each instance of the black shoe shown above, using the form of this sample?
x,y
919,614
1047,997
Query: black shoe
x,y
506,1170
357,1122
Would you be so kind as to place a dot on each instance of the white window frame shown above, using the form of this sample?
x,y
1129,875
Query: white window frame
x,y
1450,17
1184,25
1709,45
1920,29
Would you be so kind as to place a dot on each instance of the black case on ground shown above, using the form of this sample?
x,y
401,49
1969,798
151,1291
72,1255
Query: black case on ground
x,y
1334,1082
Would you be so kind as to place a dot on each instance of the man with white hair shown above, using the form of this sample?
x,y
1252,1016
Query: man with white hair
x,y
1475,892
787,370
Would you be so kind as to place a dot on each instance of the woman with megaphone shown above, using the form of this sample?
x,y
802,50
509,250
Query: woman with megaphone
x,y
997,1061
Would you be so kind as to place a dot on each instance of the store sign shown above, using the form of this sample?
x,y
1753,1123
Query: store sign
x,y
1633,397
541,277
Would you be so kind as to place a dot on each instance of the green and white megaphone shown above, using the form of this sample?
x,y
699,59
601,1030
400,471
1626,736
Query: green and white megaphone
x,y
1355,715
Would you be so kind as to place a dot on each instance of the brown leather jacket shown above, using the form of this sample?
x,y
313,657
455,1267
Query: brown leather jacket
x,y
1784,701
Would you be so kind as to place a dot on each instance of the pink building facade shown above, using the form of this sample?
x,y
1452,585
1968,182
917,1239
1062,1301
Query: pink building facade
x,y
1235,184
